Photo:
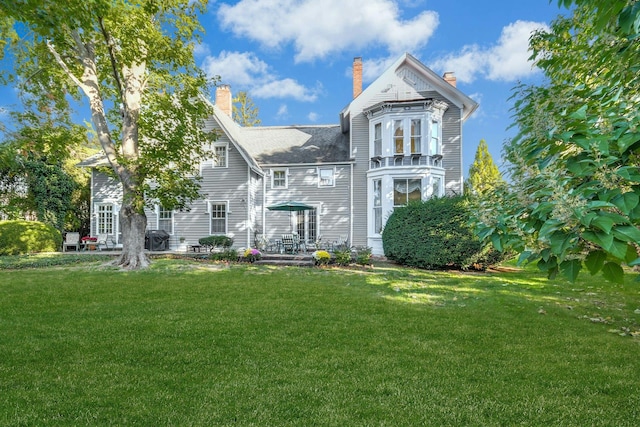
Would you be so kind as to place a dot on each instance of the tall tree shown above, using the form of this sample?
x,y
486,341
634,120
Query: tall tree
x,y
484,175
575,199
245,112
133,63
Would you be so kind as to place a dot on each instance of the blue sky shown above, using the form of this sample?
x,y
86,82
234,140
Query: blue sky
x,y
294,57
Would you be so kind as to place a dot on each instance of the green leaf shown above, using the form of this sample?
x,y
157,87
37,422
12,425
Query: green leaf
x,y
559,243
613,272
524,256
627,233
601,239
580,114
634,262
627,141
595,261
618,249
549,265
626,202
497,242
570,269
604,223
629,173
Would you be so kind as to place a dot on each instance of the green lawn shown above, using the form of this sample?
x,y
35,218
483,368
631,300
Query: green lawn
x,y
200,344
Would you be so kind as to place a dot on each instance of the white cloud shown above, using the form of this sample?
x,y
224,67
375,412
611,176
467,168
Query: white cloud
x,y
283,112
244,70
313,117
201,49
320,28
507,60
285,88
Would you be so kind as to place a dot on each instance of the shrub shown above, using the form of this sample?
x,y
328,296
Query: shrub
x,y
23,237
434,234
343,256
211,242
226,255
321,257
363,255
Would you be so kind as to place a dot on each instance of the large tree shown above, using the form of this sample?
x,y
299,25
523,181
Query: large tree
x,y
484,176
133,63
575,195
244,110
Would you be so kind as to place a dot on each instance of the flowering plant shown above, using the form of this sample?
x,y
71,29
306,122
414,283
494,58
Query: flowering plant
x,y
89,239
321,257
252,254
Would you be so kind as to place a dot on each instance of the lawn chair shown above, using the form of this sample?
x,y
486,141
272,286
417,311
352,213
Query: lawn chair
x,y
290,243
72,238
106,242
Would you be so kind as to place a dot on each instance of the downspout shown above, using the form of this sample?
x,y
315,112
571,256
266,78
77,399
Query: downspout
x,y
250,226
264,201
351,204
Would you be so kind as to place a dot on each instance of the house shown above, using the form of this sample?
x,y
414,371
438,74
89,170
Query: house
x,y
398,140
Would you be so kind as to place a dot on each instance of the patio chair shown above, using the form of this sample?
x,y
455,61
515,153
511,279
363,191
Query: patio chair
x,y
72,238
341,243
289,243
105,241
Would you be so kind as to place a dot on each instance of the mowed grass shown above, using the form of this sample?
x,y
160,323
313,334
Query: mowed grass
x,y
191,344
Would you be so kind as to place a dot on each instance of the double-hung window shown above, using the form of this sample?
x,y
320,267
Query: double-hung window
x,y
326,177
398,137
377,206
218,218
377,139
279,178
220,155
416,136
165,219
434,142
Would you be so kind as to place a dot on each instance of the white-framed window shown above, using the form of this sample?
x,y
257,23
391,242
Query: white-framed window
x,y
218,215
105,214
220,152
416,136
398,137
165,219
435,147
279,178
377,139
406,190
437,189
377,206
326,177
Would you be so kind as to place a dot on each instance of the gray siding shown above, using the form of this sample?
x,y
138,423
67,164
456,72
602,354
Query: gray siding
x,y
360,142
332,202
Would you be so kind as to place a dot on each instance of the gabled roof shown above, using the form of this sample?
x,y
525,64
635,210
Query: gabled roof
x,y
271,145
297,144
451,93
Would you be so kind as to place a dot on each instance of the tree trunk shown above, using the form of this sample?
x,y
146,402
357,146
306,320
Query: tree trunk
x,y
133,225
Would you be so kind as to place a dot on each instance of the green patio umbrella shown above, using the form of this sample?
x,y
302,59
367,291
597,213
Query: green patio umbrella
x,y
290,206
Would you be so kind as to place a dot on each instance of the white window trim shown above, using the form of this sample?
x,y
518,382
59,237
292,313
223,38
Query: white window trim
x,y
333,176
213,160
114,215
439,136
158,209
286,178
227,211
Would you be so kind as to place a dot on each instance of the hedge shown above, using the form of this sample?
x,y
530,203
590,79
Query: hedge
x,y
19,237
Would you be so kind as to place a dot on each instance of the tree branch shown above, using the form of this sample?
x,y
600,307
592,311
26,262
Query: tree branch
x,y
64,65
112,56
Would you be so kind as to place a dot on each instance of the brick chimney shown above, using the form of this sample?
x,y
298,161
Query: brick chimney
x,y
450,78
223,99
357,76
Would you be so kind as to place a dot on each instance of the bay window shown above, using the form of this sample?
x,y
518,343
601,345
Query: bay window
x,y
406,190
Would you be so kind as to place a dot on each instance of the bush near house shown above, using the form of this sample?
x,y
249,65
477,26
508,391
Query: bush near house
x,y
23,237
213,242
434,234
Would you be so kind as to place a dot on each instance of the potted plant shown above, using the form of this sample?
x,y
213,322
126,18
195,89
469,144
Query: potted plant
x,y
252,254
